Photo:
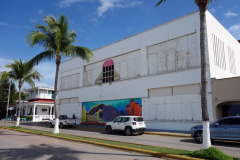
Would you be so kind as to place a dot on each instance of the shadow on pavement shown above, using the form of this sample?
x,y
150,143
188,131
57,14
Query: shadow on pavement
x,y
3,133
216,143
43,151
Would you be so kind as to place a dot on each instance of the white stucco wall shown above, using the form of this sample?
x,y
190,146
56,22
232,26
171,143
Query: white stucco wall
x,y
179,37
216,48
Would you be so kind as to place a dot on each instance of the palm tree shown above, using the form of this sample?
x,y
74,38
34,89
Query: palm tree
x,y
57,41
21,72
202,4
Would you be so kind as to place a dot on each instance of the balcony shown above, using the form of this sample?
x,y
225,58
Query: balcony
x,y
42,96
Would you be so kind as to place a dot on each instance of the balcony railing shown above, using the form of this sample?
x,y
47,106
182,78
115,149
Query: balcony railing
x,y
44,96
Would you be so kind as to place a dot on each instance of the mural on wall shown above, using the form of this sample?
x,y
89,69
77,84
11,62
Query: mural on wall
x,y
106,111
108,69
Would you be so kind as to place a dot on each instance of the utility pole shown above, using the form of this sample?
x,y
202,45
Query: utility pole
x,y
8,96
8,102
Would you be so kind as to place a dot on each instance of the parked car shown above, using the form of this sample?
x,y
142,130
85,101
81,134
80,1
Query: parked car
x,y
63,121
227,128
127,124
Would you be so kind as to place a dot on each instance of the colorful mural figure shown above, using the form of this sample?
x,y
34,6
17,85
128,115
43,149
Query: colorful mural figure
x,y
116,76
106,111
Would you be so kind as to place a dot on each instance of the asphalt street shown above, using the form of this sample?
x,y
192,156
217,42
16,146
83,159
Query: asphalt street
x,y
230,148
17,145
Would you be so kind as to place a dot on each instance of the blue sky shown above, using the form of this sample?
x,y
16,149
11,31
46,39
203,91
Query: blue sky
x,y
97,23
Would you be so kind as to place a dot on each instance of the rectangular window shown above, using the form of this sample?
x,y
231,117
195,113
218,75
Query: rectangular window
x,y
31,93
49,92
36,92
52,94
108,74
44,110
138,119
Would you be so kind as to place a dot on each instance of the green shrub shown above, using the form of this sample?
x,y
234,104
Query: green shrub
x,y
29,118
211,153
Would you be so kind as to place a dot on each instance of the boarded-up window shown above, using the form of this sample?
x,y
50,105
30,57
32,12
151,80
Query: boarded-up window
x,y
74,100
173,55
159,92
69,100
186,89
69,82
64,101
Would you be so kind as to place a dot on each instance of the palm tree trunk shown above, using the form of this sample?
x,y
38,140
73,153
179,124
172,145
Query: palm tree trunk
x,y
206,133
19,107
56,127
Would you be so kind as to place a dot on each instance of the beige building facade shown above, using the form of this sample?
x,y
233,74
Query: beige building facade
x,y
225,97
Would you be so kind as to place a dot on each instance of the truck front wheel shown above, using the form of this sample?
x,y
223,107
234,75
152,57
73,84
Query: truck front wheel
x,y
50,124
61,125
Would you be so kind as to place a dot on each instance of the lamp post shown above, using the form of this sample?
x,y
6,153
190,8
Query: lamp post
x,y
8,97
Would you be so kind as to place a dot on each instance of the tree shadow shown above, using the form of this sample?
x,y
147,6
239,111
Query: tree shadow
x,y
49,152
4,133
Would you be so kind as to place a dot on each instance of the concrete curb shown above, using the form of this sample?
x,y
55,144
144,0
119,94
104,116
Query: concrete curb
x,y
149,133
152,153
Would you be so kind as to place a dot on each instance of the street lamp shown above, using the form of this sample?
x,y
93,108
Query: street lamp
x,y
8,96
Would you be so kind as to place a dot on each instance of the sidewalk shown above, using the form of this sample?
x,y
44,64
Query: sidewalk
x,y
102,128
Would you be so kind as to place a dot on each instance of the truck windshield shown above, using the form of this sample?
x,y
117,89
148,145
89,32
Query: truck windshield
x,y
138,119
64,117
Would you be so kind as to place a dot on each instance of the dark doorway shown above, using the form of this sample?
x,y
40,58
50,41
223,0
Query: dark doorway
x,y
230,110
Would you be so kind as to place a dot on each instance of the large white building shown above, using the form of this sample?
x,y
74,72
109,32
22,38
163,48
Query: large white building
x,y
155,73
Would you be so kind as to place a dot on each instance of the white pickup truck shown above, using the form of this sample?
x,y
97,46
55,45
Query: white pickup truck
x,y
63,121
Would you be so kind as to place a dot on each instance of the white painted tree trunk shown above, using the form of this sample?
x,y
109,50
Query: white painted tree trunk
x,y
206,135
17,124
56,127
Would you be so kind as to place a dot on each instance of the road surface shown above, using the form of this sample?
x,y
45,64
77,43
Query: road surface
x,y
230,148
18,145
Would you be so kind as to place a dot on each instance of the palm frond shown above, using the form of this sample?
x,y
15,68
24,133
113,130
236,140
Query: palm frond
x,y
21,71
33,74
83,52
160,2
46,55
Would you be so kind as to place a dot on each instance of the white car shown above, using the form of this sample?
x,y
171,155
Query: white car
x,y
63,121
127,124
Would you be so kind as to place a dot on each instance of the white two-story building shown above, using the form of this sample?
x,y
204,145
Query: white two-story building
x,y
155,73
39,105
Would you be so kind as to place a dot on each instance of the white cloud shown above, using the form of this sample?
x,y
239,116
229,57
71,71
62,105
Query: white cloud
x,y
68,3
40,11
32,20
230,14
235,31
15,26
130,29
3,63
111,4
212,10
